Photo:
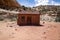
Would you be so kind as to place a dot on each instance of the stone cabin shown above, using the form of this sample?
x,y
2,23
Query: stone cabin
x,y
28,18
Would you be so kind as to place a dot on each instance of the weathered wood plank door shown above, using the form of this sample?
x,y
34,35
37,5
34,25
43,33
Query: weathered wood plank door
x,y
29,20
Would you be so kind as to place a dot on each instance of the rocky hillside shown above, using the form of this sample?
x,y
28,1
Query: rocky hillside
x,y
10,6
49,12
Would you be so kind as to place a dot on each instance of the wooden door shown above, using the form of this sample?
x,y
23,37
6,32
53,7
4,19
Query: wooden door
x,y
29,21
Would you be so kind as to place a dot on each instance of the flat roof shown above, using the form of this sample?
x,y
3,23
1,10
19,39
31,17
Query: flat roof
x,y
29,12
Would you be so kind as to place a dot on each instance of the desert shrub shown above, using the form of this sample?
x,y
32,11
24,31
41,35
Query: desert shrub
x,y
57,19
1,18
13,19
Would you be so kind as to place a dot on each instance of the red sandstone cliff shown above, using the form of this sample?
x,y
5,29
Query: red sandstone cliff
x,y
10,3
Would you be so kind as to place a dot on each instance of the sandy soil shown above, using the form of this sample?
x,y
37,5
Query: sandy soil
x,y
11,31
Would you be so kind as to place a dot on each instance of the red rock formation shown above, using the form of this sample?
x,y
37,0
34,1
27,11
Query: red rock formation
x,y
10,3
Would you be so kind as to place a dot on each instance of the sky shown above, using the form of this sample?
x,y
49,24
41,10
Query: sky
x,y
32,3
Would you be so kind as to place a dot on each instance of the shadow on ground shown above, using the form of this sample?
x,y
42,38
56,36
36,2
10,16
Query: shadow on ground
x,y
32,25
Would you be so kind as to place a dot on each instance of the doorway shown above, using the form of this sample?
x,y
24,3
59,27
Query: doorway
x,y
29,21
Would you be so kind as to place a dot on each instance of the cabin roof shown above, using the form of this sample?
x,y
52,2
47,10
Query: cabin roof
x,y
29,12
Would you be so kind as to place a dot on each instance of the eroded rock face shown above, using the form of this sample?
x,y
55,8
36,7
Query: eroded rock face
x,y
10,3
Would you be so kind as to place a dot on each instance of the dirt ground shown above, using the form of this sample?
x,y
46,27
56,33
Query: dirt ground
x,y
11,31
